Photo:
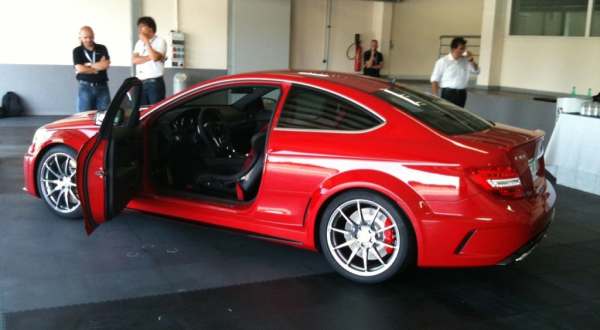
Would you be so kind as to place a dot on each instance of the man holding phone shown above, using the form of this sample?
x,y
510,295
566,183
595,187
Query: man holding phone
x,y
148,57
373,60
451,73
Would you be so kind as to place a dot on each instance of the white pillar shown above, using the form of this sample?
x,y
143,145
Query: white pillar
x,y
383,13
493,32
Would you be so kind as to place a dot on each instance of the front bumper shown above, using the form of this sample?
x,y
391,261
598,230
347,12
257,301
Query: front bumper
x,y
29,185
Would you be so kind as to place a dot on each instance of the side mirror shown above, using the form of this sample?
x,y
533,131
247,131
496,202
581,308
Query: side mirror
x,y
100,117
119,117
117,121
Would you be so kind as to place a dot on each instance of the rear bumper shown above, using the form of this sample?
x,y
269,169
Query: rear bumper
x,y
526,249
494,232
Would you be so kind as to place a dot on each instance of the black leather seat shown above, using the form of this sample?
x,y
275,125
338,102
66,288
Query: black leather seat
x,y
243,184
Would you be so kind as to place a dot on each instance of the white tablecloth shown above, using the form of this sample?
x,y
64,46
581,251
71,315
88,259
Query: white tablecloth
x,y
573,152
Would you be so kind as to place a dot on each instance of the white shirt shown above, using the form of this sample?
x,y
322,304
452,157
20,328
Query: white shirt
x,y
453,73
150,69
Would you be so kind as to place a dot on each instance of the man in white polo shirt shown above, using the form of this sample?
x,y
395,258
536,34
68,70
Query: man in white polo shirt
x,y
452,71
148,57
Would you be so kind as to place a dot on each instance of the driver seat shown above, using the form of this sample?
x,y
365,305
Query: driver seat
x,y
243,184
205,117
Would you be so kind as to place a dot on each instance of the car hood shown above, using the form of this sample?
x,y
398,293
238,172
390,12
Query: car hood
x,y
78,120
85,119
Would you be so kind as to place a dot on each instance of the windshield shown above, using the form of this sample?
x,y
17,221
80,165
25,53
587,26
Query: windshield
x,y
435,112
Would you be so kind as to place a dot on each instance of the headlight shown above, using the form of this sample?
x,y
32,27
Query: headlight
x,y
39,137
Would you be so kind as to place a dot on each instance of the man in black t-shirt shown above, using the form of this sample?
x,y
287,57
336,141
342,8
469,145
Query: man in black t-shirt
x,y
373,60
91,60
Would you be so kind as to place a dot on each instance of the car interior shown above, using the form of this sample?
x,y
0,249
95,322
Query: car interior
x,y
214,145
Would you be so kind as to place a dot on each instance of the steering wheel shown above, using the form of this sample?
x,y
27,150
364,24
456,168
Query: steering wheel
x,y
183,129
215,133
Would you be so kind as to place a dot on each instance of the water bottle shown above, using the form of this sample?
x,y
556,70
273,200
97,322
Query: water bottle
x,y
589,92
585,108
574,91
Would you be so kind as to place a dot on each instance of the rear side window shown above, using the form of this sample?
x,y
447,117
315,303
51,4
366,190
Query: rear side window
x,y
433,111
306,108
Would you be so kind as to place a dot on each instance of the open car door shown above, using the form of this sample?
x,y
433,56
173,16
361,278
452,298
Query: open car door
x,y
109,165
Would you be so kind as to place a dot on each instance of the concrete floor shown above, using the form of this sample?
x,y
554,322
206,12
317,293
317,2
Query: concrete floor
x,y
146,272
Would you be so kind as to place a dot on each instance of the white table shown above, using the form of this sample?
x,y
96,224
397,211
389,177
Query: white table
x,y
573,152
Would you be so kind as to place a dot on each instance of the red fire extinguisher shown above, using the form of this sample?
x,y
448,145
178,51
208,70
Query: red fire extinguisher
x,y
357,53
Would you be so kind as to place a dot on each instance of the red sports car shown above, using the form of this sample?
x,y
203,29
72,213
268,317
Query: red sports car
x,y
374,175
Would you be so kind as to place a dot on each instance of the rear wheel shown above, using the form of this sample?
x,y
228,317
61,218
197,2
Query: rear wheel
x,y
56,182
364,237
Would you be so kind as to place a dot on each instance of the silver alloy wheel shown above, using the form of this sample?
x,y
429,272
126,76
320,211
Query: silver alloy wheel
x,y
57,182
363,237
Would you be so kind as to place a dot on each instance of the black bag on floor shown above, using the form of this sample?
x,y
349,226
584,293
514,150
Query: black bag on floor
x,y
12,105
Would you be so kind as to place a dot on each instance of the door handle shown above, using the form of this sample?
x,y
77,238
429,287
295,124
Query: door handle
x,y
99,173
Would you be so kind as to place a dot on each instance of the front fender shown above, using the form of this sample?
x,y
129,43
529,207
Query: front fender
x,y
42,142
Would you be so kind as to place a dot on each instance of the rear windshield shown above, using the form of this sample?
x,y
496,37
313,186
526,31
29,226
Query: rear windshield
x,y
435,112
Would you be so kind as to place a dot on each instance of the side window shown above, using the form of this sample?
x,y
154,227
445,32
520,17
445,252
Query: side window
x,y
239,97
433,111
227,96
307,108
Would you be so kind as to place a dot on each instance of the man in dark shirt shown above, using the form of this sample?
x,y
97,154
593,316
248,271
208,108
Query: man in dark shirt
x,y
91,60
373,60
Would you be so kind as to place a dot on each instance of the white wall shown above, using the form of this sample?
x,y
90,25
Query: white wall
x,y
48,34
348,17
551,64
259,37
545,63
45,32
204,23
417,26
308,34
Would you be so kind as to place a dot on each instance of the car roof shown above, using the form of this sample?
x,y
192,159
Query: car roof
x,y
356,81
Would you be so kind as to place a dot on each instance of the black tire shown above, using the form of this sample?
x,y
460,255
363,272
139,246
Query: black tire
x,y
390,263
59,152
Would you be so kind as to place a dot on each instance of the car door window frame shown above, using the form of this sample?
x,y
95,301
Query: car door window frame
x,y
154,114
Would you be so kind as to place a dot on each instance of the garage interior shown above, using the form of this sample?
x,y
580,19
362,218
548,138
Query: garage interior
x,y
146,272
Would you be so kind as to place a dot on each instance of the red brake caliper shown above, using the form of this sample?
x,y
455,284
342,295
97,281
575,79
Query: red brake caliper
x,y
389,236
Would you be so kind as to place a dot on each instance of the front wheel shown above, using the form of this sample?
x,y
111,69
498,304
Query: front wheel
x,y
364,237
56,181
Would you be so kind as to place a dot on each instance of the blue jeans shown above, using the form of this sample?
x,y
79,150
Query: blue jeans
x,y
92,97
153,90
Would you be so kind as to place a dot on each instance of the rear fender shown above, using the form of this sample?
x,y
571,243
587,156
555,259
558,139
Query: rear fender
x,y
412,206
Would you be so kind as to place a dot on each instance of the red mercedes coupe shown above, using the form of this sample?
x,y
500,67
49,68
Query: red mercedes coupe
x,y
374,175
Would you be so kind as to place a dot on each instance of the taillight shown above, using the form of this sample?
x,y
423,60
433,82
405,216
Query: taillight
x,y
502,180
